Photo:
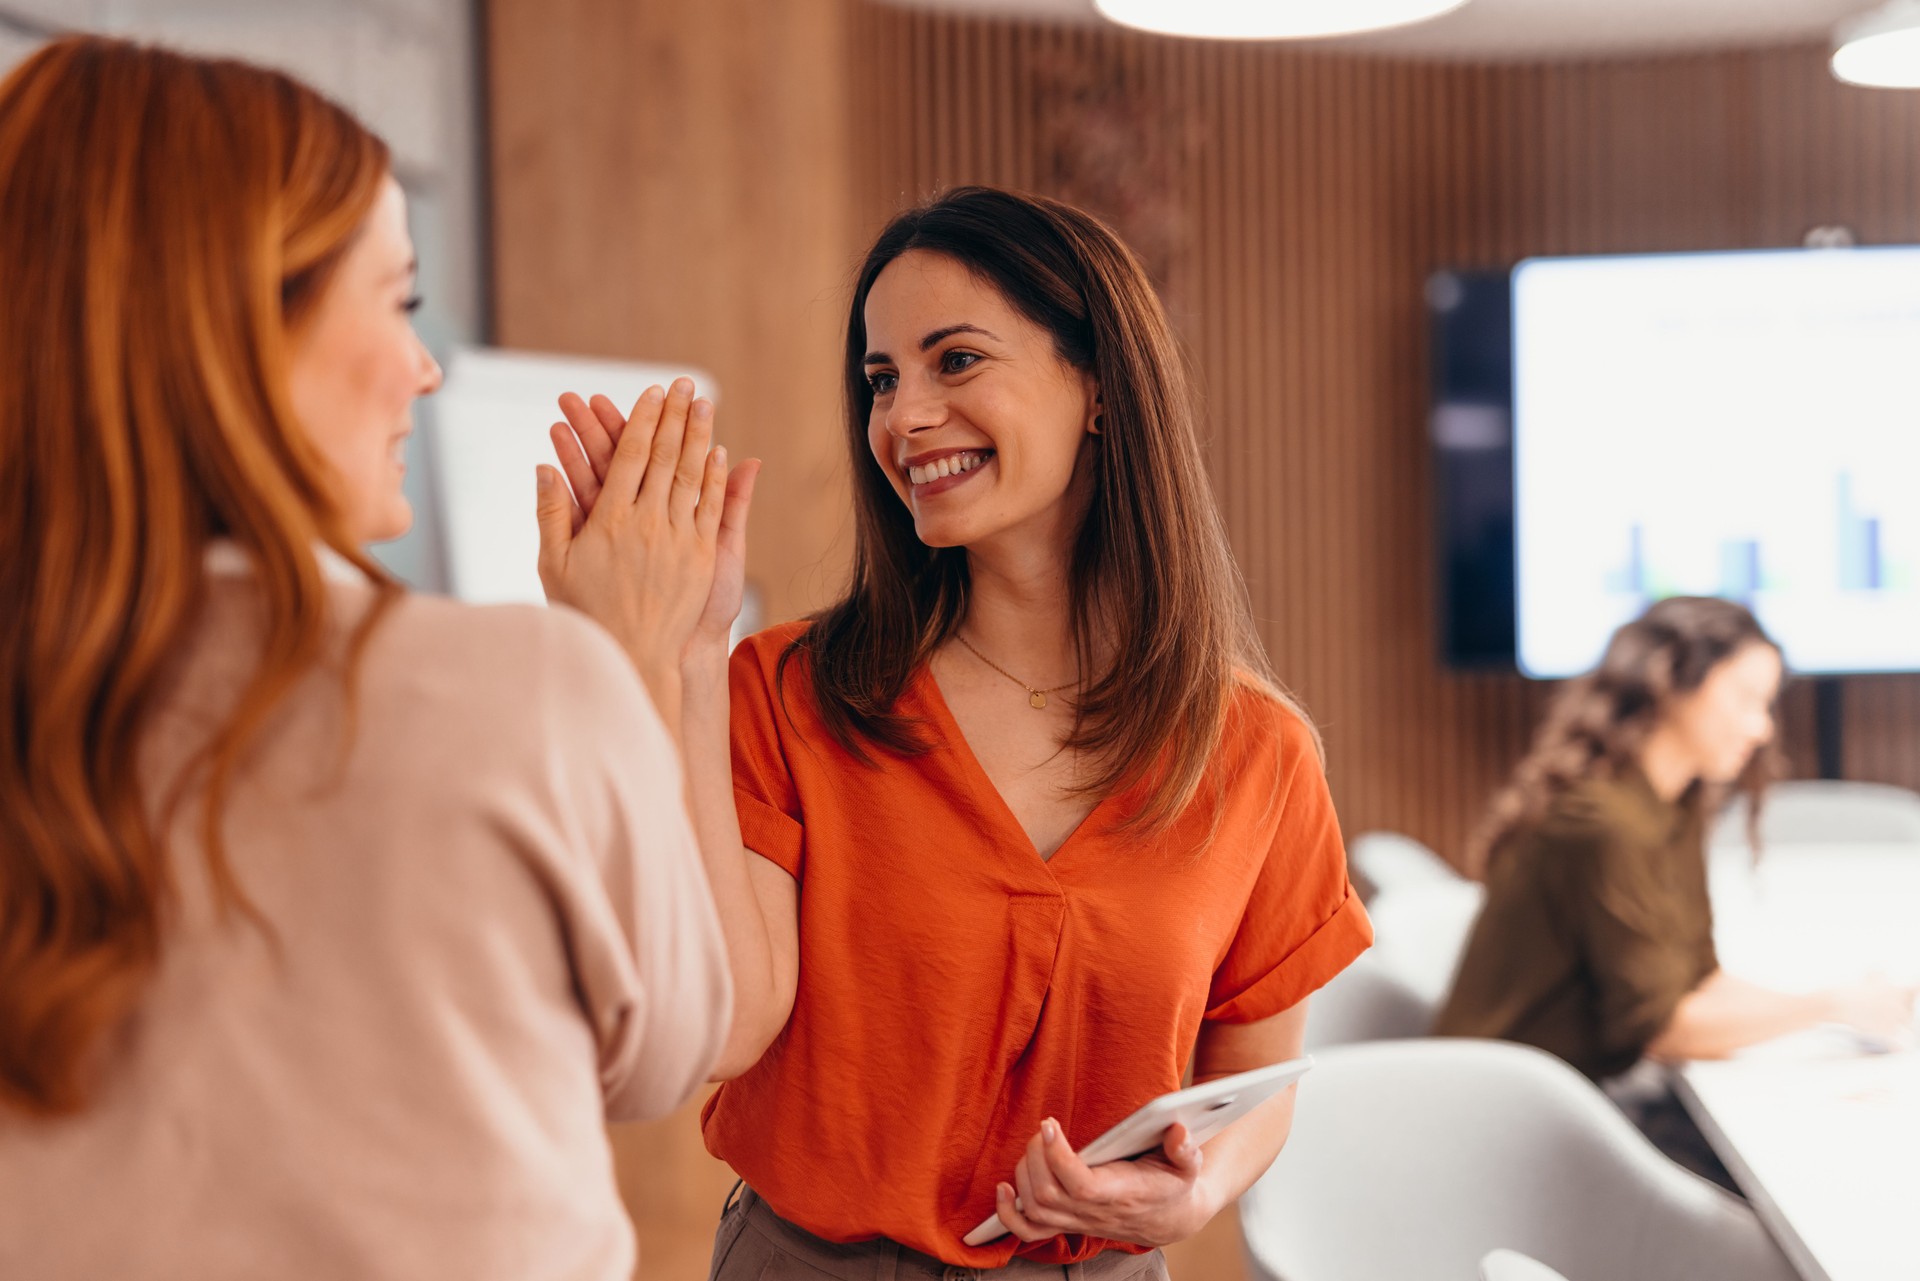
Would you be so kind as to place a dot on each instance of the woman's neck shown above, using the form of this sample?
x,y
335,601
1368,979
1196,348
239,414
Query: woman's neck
x,y
1670,768
1020,612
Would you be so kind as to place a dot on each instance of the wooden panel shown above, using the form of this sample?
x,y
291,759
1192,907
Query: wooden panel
x,y
1313,193
670,183
695,179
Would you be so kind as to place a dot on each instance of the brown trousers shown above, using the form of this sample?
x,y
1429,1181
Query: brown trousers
x,y
755,1244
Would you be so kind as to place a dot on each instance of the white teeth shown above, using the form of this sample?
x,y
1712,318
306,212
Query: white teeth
x,y
951,465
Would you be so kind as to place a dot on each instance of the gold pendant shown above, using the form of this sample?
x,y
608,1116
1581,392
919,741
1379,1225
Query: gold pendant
x,y
1036,699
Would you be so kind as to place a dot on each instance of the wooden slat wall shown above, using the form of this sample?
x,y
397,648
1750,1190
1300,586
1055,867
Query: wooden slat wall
x,y
694,179
1318,191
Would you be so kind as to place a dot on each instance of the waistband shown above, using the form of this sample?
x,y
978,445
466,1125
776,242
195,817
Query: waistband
x,y
885,1260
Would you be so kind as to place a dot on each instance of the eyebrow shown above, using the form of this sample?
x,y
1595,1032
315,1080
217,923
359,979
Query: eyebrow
x,y
927,343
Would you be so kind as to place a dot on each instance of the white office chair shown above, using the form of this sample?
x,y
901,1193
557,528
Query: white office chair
x,y
1422,912
1826,812
1506,1265
1366,1002
1388,861
1410,1160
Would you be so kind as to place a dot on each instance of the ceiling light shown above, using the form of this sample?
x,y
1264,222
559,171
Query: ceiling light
x,y
1880,47
1269,19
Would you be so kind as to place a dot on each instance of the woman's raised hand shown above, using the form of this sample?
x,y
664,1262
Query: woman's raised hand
x,y
641,561
586,444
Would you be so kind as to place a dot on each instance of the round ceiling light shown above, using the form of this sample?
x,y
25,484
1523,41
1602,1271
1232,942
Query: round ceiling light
x,y
1881,47
1270,19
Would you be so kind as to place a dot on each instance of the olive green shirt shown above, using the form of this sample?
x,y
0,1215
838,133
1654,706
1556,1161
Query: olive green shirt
x,y
1596,924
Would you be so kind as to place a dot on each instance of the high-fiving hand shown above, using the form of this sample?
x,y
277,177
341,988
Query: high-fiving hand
x,y
638,544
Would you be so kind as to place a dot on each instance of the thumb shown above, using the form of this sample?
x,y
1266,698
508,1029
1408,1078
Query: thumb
x,y
1182,1152
552,508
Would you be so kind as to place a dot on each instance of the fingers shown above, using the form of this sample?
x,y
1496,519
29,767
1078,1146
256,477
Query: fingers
x,y
1006,1206
1183,1154
1042,1200
554,511
629,467
733,512
610,418
1065,1170
663,458
591,428
580,472
689,475
713,496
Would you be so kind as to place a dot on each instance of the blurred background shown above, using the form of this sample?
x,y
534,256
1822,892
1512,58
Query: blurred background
x,y
689,183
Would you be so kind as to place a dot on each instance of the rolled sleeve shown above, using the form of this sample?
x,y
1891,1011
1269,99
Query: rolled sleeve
x,y
1303,922
764,794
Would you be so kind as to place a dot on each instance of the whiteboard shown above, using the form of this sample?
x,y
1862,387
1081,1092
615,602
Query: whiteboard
x,y
489,430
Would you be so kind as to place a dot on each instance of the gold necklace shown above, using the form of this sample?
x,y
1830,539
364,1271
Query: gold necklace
x,y
1036,698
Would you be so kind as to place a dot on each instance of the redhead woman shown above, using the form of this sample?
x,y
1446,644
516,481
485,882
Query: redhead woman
x,y
1025,826
334,920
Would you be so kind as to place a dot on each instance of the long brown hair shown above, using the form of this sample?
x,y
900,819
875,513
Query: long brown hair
x,y
1160,615
1597,723
165,224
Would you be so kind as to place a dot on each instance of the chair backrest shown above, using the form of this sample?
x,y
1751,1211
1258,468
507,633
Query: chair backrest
x,y
1420,931
1507,1265
1826,812
1413,1159
1388,861
1366,1002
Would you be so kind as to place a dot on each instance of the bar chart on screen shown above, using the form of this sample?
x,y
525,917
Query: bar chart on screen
x,y
1737,425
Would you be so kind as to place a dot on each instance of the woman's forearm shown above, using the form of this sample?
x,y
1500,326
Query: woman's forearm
x,y
759,1010
1725,1014
1237,1156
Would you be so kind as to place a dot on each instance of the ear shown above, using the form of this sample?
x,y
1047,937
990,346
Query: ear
x,y
1095,410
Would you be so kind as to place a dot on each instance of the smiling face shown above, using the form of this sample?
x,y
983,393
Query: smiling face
x,y
977,422
357,368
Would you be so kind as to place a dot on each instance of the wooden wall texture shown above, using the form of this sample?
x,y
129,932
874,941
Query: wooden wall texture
x,y
695,180
1294,201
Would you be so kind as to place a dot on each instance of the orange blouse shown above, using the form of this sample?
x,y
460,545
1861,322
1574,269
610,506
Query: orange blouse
x,y
955,989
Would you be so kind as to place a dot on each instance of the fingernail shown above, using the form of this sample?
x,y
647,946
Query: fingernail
x,y
703,409
544,478
684,386
1049,1131
720,454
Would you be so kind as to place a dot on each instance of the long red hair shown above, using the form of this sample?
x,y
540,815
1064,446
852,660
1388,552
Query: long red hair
x,y
165,223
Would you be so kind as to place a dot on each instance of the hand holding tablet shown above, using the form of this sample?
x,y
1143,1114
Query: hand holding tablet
x,y
1205,1110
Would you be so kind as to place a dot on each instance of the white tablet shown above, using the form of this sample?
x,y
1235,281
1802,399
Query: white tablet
x,y
1204,1109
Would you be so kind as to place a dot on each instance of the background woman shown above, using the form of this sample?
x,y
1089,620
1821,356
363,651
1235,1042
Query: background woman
x,y
1596,941
333,921
1027,826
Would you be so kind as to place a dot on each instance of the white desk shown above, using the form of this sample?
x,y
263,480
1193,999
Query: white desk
x,y
1823,1139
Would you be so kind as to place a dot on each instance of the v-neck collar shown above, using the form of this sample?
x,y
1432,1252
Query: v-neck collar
x,y
981,783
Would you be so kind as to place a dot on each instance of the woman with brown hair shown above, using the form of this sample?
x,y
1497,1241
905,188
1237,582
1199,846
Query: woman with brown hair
x,y
1596,941
334,920
1028,823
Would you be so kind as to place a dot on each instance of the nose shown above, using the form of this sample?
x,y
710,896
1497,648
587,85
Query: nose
x,y
430,374
917,406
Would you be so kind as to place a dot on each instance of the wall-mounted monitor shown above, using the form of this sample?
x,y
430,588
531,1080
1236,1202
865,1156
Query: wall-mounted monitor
x,y
1743,425
1737,424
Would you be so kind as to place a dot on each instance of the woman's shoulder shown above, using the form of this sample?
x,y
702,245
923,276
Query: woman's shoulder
x,y
765,649
515,660
1262,720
